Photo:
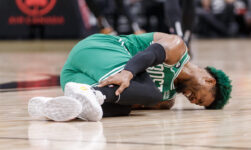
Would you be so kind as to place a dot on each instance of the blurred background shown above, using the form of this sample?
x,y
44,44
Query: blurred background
x,y
76,19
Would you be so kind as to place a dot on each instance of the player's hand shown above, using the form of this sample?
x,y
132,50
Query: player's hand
x,y
122,79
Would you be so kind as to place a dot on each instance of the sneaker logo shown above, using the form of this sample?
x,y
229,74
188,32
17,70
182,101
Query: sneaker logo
x,y
83,88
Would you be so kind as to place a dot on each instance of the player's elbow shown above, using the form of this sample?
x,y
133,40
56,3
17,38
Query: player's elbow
x,y
179,44
173,42
176,49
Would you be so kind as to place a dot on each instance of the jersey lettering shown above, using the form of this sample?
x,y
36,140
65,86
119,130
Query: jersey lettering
x,y
159,82
157,74
159,67
166,95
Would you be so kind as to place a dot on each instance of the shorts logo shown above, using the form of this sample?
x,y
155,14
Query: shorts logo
x,y
36,7
83,88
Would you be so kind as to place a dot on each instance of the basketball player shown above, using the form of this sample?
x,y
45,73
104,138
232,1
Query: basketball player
x,y
107,74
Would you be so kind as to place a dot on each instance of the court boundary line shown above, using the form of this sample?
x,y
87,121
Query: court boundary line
x,y
133,143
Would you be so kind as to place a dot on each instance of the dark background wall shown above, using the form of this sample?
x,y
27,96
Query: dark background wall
x,y
25,19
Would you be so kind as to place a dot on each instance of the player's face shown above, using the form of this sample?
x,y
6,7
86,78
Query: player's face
x,y
200,89
200,95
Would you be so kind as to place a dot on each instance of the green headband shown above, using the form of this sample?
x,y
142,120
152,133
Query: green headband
x,y
223,88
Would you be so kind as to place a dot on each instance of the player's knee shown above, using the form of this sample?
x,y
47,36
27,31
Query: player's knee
x,y
154,97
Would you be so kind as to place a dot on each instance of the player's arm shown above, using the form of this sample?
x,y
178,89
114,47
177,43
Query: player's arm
x,y
166,48
173,45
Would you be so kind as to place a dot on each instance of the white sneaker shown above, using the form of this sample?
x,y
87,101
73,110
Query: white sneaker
x,y
61,108
91,104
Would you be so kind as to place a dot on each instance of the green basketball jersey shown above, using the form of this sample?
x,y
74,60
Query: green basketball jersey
x,y
163,75
99,56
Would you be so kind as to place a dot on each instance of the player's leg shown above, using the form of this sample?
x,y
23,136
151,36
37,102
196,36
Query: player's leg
x,y
188,15
142,91
101,19
77,85
113,110
91,109
60,108
124,8
209,23
173,16
180,17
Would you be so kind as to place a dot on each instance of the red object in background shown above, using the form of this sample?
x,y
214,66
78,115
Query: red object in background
x,y
241,11
35,11
36,7
60,19
36,3
51,81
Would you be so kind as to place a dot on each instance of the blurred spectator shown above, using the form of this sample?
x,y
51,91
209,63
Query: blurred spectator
x,y
122,7
179,17
97,8
240,11
174,16
248,16
216,18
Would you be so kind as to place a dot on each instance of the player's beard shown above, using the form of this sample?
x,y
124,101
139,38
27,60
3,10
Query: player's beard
x,y
180,86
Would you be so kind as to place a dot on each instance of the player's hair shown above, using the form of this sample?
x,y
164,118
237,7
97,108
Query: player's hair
x,y
223,88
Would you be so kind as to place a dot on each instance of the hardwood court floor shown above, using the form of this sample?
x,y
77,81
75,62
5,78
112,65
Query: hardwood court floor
x,y
186,126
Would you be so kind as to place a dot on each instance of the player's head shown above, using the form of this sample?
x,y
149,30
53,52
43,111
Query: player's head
x,y
208,87
223,88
